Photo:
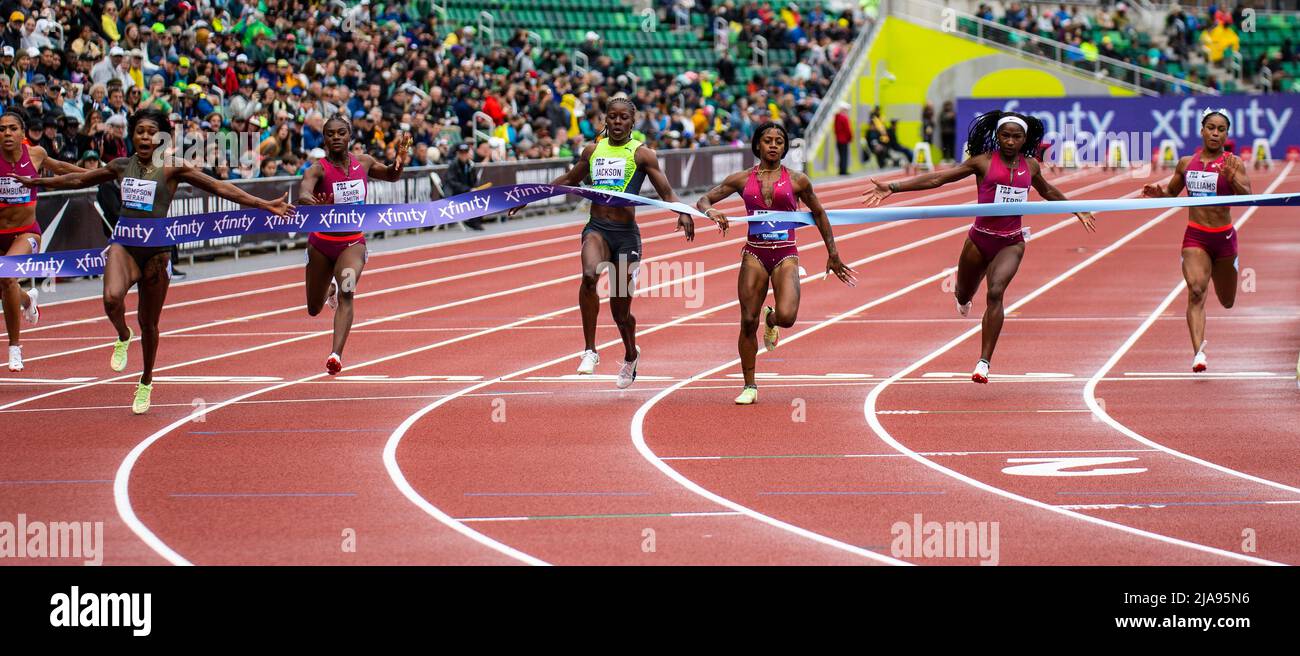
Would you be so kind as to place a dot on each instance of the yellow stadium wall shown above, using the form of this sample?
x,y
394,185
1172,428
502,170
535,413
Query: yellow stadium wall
x,y
930,66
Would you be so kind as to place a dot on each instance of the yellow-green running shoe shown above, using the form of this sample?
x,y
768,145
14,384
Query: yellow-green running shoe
x,y
771,334
749,396
142,394
118,362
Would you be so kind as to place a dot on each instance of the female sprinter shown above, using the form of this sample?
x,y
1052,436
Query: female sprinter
x,y
1001,146
1210,242
148,185
770,254
20,234
617,163
335,259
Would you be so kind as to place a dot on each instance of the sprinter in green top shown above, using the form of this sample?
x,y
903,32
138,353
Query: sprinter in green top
x,y
611,238
148,184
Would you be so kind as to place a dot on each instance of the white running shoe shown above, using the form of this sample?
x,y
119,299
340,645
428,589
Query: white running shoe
x,y
589,361
32,313
333,299
963,310
1200,363
771,334
748,396
627,375
15,358
981,374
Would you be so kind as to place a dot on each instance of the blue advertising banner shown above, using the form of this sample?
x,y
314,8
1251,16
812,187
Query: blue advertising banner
x,y
1178,118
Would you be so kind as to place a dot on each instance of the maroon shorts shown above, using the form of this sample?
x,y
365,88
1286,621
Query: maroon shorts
x,y
8,237
990,245
1218,242
770,257
332,247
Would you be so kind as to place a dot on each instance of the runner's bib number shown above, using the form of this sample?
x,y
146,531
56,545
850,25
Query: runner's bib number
x,y
774,230
139,194
13,192
1202,183
1009,194
350,192
609,171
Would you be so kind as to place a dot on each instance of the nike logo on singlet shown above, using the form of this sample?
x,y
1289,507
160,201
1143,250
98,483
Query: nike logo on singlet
x,y
356,167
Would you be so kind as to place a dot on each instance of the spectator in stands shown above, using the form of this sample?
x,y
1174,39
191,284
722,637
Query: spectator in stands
x,y
948,131
13,32
843,136
885,141
927,126
463,176
159,49
1017,17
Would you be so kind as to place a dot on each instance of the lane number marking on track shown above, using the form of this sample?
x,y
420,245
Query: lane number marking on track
x,y
1069,467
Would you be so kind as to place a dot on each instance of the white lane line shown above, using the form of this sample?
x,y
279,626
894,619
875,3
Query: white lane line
x,y
869,410
390,449
1090,390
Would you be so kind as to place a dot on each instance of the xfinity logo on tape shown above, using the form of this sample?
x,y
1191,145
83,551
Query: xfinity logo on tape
x,y
90,262
296,221
238,224
133,232
519,193
335,218
51,266
476,203
391,216
91,609
188,229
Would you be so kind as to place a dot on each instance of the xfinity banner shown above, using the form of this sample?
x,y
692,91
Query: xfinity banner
x,y
1145,122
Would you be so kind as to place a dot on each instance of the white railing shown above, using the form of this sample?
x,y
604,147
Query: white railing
x,y
853,62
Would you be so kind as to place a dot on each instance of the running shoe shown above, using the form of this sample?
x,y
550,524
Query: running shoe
x,y
142,394
963,310
627,375
15,358
32,313
333,364
981,374
118,361
333,299
748,396
1200,363
589,361
771,334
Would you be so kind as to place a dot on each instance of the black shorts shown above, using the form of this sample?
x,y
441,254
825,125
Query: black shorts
x,y
623,238
142,255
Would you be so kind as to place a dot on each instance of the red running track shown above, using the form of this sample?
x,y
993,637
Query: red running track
x,y
502,457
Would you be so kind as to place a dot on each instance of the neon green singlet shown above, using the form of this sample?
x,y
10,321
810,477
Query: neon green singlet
x,y
614,167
